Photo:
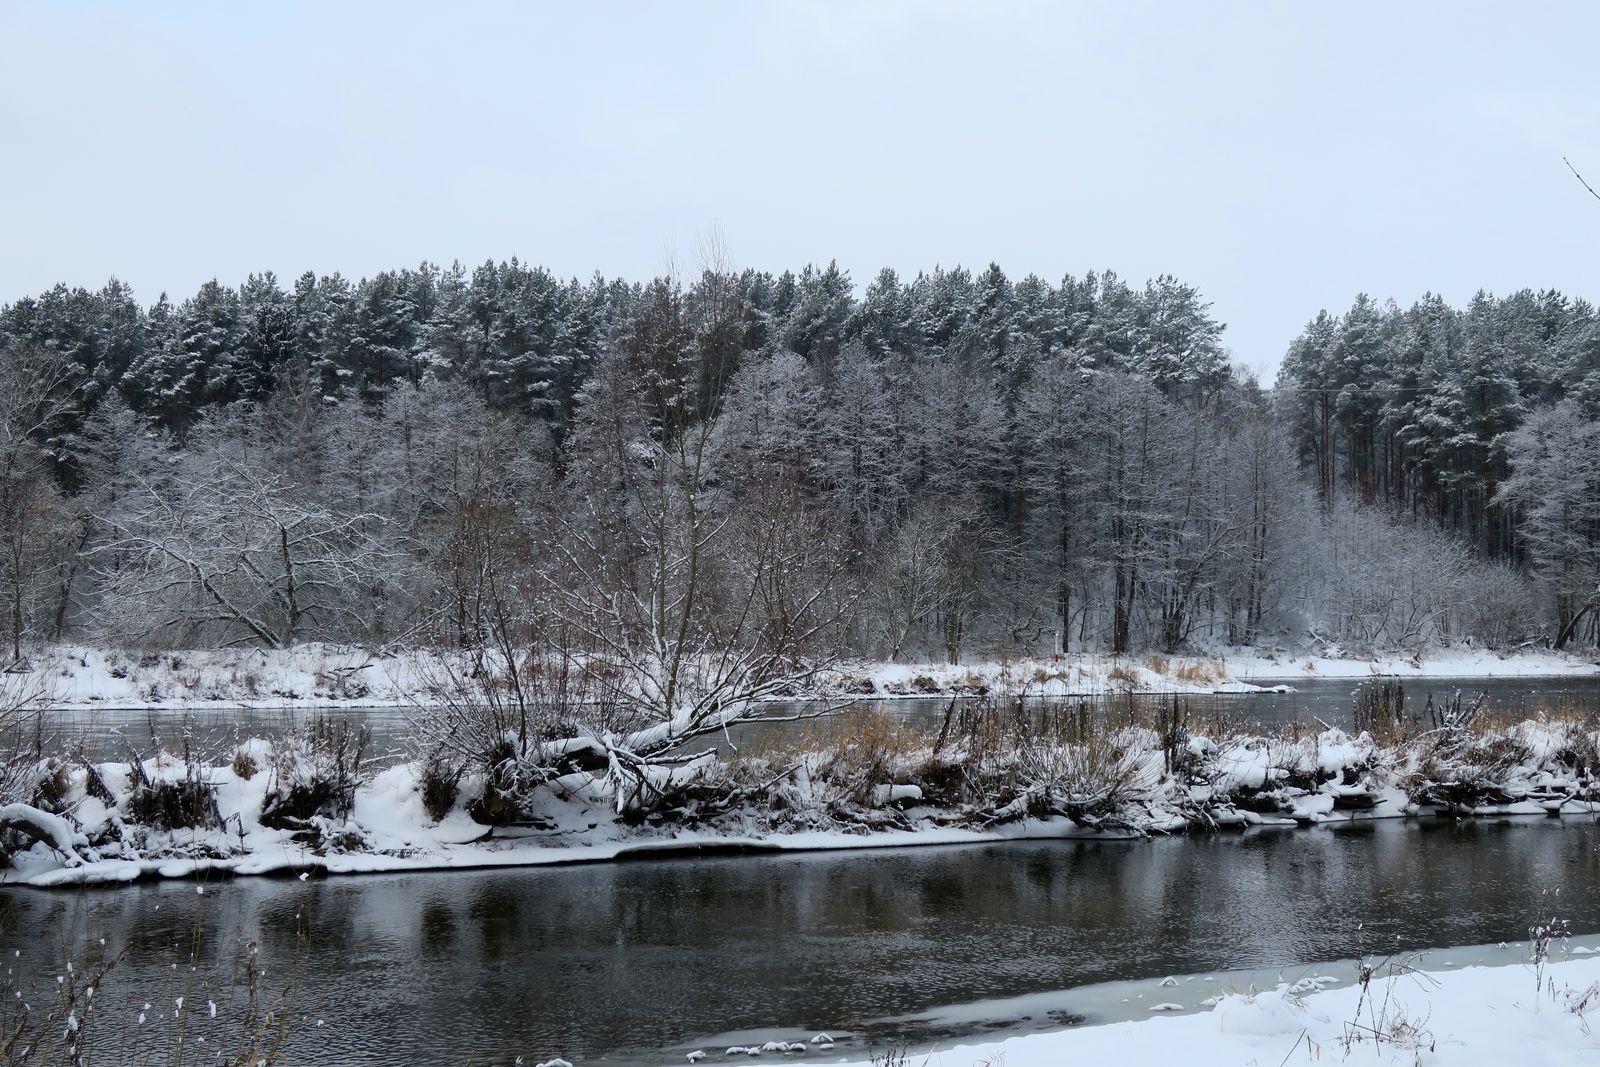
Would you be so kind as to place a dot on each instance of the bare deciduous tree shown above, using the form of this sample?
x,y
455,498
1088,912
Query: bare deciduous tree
x,y
226,551
39,388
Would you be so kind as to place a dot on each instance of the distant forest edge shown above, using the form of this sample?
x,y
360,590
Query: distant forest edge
x,y
954,465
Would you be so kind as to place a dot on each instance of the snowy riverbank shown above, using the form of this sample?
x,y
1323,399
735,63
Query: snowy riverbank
x,y
326,676
1473,1017
305,802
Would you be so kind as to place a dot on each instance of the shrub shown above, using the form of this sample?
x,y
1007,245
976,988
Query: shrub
x,y
315,773
164,801
244,765
1379,710
441,784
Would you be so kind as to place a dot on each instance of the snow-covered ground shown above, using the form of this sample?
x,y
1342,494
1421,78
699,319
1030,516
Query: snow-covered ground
x,y
272,807
330,676
306,675
1438,663
1473,1017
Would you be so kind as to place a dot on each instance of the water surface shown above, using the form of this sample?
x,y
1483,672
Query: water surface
x,y
112,733
640,961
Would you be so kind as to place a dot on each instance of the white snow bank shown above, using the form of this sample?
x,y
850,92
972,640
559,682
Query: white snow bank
x,y
1474,1017
1435,663
1228,671
431,848
307,675
323,675
109,825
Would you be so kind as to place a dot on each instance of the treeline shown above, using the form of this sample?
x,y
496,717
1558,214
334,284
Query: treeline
x,y
526,341
1481,420
949,464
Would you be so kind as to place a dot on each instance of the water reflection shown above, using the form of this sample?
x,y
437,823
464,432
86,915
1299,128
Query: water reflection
x,y
621,961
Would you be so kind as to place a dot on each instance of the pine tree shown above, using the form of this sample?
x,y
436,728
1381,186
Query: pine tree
x,y
267,341
324,327
1176,343
816,322
1307,387
881,322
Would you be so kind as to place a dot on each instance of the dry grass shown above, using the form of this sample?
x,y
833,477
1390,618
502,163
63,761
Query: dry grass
x,y
1123,676
970,679
244,765
1200,672
876,737
1188,671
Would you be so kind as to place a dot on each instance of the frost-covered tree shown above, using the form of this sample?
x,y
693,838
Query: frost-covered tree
x,y
38,390
1111,480
1055,417
766,424
858,453
1555,485
1132,454
955,431
226,553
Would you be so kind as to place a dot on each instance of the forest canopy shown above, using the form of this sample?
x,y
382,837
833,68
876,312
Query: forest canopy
x,y
953,464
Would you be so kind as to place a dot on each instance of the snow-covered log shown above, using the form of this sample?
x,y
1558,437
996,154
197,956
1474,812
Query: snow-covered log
x,y
51,830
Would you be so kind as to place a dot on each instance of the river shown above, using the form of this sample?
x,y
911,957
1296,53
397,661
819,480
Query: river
x,y
111,733
639,962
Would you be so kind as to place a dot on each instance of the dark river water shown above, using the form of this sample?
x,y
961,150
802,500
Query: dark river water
x,y
110,733
641,961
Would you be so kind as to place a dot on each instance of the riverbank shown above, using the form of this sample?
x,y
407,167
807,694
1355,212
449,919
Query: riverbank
x,y
305,803
1473,1017
327,676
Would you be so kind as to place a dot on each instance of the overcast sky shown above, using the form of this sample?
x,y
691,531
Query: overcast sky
x,y
1280,157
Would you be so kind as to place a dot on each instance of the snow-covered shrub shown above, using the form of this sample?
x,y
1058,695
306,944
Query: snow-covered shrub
x,y
1575,745
1463,762
440,783
53,778
507,723
1019,760
244,764
1500,608
315,772
1383,584
169,793
1089,781
870,748
508,778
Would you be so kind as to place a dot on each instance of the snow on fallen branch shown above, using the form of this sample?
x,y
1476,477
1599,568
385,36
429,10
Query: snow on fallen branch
x,y
47,829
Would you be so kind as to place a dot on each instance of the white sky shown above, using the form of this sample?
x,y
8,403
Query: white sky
x,y
1281,157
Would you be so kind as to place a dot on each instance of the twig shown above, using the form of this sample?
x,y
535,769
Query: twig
x,y
1303,1037
1578,176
